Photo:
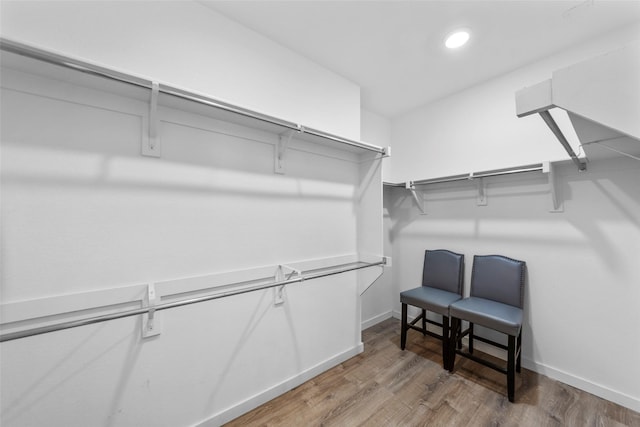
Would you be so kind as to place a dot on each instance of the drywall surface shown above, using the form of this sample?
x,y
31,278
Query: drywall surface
x,y
190,46
88,223
477,129
377,300
582,290
376,129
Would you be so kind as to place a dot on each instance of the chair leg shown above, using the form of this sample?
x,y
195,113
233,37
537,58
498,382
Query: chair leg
x,y
403,332
511,364
470,338
459,332
424,322
445,341
519,351
455,327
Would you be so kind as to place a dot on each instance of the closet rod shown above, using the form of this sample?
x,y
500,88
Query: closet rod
x,y
484,174
466,177
106,317
88,68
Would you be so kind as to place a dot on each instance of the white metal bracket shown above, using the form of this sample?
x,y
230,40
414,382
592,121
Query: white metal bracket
x,y
554,191
281,275
151,147
418,197
387,152
281,151
481,198
151,322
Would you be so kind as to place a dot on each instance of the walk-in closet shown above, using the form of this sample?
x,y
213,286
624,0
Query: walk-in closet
x,y
215,212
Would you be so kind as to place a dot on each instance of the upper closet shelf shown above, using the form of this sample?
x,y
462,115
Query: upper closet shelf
x,y
547,168
538,167
221,110
602,98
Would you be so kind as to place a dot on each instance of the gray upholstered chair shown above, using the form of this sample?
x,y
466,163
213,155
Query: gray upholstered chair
x,y
495,302
442,277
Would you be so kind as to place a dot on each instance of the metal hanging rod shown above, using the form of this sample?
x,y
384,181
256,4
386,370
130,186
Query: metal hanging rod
x,y
89,68
104,318
470,176
484,174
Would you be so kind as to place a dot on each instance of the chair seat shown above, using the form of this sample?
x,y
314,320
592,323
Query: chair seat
x,y
431,299
491,314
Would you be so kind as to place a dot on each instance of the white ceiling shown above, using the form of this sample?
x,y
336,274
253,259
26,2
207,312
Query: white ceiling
x,y
394,49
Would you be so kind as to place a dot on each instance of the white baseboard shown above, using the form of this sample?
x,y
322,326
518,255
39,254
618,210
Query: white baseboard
x,y
278,389
376,319
599,390
540,368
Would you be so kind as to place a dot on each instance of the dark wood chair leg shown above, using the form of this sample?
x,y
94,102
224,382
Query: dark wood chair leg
x,y
455,327
511,365
519,350
470,338
459,332
445,341
403,333
424,322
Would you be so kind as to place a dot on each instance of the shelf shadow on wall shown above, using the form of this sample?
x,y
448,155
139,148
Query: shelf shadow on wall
x,y
27,400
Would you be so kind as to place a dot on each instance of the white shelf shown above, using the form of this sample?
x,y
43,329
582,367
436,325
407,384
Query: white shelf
x,y
54,65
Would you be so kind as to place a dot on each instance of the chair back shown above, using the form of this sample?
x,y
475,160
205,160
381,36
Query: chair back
x,y
498,278
444,270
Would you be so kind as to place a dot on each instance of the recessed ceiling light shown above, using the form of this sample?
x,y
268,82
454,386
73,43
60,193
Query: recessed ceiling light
x,y
457,39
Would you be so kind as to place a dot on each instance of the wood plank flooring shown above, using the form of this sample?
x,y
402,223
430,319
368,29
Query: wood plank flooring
x,y
385,386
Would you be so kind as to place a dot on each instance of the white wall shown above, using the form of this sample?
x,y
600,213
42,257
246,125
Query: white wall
x,y
188,45
582,291
377,300
477,129
87,222
376,129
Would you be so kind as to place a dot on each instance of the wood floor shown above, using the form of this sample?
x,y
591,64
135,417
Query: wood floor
x,y
385,386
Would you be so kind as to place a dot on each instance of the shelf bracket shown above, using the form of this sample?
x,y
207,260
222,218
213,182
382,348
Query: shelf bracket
x,y
481,198
419,198
556,201
551,123
151,145
280,275
280,152
151,325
